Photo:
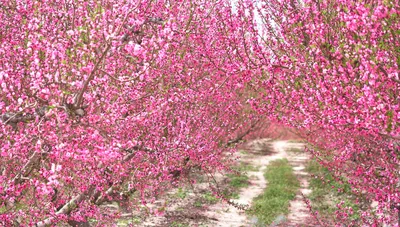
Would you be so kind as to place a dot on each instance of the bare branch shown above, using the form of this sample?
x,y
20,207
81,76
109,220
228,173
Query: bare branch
x,y
68,207
241,136
79,97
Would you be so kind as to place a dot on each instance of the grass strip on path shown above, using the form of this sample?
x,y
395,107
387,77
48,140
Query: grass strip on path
x,y
281,188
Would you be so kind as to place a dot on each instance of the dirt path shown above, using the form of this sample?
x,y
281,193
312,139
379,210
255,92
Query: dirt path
x,y
299,214
260,153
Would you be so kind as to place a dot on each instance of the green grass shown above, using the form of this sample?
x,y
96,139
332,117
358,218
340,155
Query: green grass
x,y
210,198
181,193
198,203
238,181
205,198
295,141
233,195
230,190
230,193
282,187
127,221
295,150
328,192
179,224
245,167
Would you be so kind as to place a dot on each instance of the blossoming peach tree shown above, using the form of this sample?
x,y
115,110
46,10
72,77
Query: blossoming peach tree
x,y
101,99
332,70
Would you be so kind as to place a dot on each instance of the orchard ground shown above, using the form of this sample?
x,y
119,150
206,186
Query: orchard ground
x,y
196,205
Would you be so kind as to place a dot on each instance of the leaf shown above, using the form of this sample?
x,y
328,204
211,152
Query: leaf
x,y
389,114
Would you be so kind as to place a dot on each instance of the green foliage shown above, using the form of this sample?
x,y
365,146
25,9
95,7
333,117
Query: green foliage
x,y
3,209
282,187
389,115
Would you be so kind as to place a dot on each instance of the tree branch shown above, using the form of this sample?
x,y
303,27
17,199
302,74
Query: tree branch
x,y
240,137
78,100
68,207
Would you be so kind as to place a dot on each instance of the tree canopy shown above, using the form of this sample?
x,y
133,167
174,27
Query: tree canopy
x,y
101,99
